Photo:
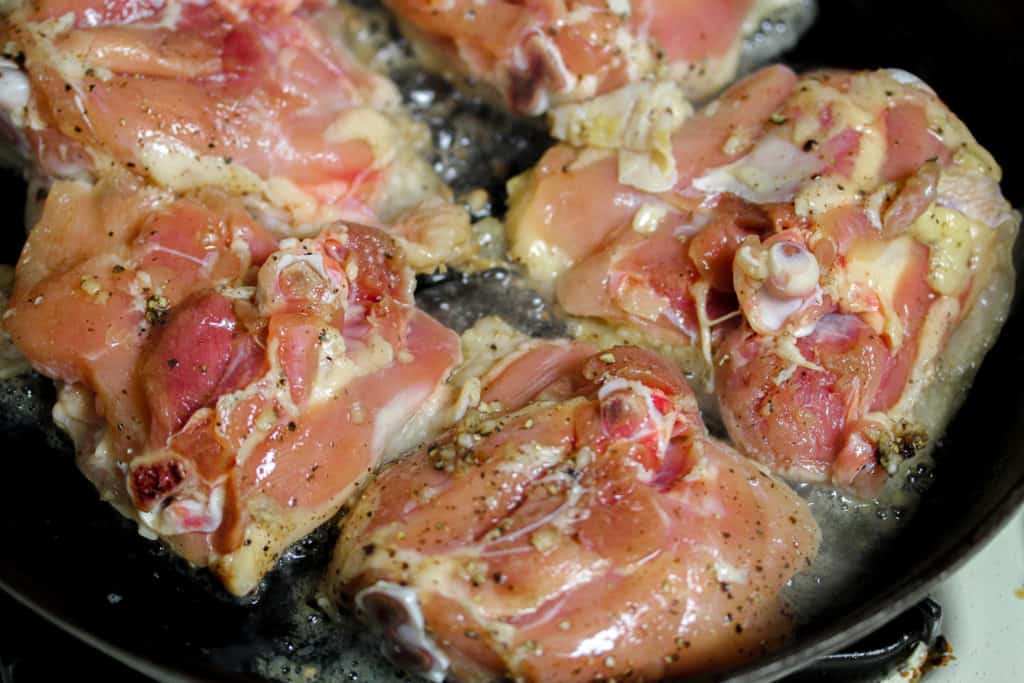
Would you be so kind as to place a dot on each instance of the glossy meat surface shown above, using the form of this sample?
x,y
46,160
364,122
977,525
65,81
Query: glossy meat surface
x,y
541,54
258,98
578,524
225,391
820,240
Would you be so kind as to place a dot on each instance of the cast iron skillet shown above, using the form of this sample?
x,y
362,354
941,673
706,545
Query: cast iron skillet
x,y
71,558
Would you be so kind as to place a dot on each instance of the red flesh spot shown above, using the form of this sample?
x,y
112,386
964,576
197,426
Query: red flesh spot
x,y
152,482
199,355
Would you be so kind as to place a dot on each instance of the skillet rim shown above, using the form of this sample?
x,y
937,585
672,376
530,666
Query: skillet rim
x,y
883,606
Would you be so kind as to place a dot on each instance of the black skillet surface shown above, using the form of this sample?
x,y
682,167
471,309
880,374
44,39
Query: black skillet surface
x,y
70,557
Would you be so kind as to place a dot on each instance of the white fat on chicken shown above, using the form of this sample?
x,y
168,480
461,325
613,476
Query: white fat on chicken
x,y
174,165
75,414
943,315
434,232
368,125
72,70
489,342
545,263
529,457
772,171
953,242
906,78
975,195
823,193
337,366
14,92
638,120
875,268
409,420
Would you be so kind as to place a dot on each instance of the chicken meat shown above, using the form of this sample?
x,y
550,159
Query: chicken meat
x,y
225,391
808,245
578,524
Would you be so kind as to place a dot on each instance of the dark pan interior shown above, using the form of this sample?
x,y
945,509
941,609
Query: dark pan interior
x,y
69,555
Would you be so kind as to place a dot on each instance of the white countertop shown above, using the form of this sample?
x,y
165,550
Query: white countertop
x,y
983,613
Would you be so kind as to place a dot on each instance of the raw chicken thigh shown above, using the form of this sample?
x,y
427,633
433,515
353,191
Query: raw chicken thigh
x,y
539,54
255,98
226,392
578,524
813,242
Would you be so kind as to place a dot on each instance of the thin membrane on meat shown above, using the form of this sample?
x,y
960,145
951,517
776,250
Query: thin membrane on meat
x,y
260,99
820,240
537,55
577,524
226,391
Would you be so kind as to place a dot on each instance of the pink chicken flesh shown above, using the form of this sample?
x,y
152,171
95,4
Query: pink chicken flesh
x,y
537,54
225,391
579,525
254,97
823,238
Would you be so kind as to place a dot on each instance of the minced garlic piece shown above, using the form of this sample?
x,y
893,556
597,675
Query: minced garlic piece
x,y
647,219
90,285
544,539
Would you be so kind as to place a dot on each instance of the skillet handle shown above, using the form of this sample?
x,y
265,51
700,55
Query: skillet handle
x,y
876,656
